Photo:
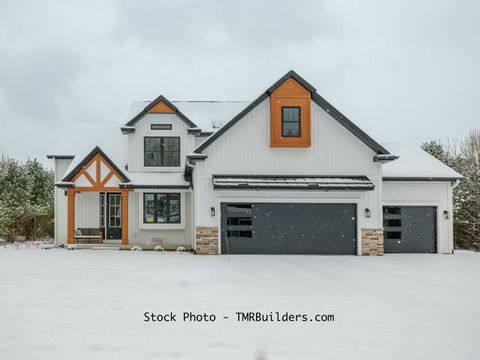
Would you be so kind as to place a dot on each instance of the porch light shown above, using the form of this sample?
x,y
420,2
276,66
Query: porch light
x,y
212,211
368,213
446,215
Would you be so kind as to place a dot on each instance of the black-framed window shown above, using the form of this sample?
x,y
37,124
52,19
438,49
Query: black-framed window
x,y
161,208
291,121
161,151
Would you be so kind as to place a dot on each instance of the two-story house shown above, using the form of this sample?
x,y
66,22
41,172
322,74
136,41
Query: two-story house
x,y
284,174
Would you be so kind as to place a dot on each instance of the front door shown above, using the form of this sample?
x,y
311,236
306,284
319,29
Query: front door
x,y
114,216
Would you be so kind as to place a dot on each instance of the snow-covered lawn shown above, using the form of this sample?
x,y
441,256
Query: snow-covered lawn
x,y
83,304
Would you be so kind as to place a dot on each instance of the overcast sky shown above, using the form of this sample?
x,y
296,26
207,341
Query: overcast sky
x,y
403,70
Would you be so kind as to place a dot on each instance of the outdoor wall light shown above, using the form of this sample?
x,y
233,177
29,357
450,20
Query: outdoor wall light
x,y
368,213
212,211
446,215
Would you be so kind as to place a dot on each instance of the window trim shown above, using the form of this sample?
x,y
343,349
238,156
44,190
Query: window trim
x,y
299,122
162,152
160,226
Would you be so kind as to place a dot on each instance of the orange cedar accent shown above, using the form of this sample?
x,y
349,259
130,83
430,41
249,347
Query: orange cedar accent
x,y
71,216
161,107
125,217
290,93
97,183
98,169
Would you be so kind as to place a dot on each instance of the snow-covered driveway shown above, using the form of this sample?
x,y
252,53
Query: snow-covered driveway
x,y
83,304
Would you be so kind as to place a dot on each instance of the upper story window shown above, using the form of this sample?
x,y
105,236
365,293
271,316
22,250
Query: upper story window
x,y
291,121
161,151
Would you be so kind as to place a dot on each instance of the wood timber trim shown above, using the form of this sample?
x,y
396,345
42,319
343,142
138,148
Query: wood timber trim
x,y
290,94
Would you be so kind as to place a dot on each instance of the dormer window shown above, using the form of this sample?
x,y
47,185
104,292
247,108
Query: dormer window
x,y
290,125
161,151
291,121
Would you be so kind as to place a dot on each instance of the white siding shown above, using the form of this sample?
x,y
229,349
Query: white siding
x,y
425,193
176,237
60,217
142,129
87,210
244,149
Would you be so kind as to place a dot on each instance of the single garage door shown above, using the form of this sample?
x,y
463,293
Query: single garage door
x,y
281,228
410,229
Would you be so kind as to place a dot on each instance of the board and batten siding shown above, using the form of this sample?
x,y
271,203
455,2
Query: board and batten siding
x,y
245,150
60,207
425,193
143,128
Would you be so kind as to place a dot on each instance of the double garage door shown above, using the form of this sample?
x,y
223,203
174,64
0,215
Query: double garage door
x,y
329,229
281,228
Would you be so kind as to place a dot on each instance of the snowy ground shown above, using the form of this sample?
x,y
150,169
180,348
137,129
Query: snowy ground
x,y
84,304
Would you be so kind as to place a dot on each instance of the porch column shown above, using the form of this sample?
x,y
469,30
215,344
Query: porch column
x,y
125,217
71,216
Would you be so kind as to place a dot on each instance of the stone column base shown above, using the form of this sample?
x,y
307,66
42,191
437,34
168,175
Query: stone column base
x,y
206,239
372,242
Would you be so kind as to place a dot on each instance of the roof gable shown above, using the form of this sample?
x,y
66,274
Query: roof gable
x,y
160,105
97,169
321,102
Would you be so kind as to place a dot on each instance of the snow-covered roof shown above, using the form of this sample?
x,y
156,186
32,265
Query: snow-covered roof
x,y
413,162
143,179
81,138
207,115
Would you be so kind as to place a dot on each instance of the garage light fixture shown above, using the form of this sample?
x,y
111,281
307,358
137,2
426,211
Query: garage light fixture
x,y
212,211
368,213
446,215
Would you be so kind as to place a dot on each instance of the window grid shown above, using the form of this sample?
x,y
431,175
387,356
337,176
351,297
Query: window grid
x,y
291,125
161,151
161,208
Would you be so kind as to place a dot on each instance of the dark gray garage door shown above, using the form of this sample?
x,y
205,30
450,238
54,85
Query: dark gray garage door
x,y
274,228
410,229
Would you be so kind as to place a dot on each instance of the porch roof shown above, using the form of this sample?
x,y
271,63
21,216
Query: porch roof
x,y
280,182
156,181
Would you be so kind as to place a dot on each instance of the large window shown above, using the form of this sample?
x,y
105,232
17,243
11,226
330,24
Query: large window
x,y
291,122
161,151
161,208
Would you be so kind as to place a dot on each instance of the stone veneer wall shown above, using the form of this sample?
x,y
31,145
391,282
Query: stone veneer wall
x,y
206,239
372,242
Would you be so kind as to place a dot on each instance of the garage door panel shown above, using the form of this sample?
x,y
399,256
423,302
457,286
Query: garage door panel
x,y
410,229
283,228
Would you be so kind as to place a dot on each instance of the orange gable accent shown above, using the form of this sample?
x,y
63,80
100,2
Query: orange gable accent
x,y
290,94
98,182
161,107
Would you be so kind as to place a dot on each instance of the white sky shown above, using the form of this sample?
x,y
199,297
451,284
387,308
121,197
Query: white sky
x,y
402,70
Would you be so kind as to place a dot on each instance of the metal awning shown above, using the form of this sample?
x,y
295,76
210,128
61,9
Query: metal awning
x,y
278,182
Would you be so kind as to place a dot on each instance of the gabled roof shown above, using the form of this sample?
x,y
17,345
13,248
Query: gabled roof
x,y
149,107
337,115
415,164
87,159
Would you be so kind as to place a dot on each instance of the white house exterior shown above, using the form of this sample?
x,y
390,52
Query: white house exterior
x,y
284,174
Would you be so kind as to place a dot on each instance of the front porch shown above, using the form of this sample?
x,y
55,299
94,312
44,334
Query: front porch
x,y
97,205
105,211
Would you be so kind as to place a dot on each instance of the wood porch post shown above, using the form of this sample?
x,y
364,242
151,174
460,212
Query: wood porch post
x,y
71,216
125,217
